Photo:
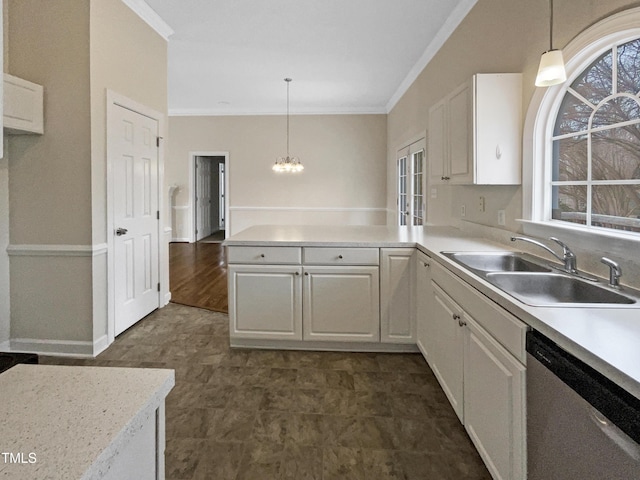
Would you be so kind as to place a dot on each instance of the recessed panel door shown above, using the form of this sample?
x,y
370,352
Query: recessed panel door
x,y
134,162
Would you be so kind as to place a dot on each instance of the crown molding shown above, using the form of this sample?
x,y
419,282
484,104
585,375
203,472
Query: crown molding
x,y
150,17
205,112
449,26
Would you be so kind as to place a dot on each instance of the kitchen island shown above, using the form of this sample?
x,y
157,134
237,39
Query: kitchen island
x,y
73,422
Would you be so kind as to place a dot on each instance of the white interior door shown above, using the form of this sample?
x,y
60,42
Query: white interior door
x,y
221,195
133,143
203,198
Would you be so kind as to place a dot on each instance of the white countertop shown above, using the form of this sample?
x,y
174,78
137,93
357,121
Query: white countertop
x,y
608,339
74,419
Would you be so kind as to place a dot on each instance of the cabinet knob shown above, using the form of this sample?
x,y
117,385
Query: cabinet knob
x,y
262,255
426,264
297,273
462,323
456,316
306,273
340,257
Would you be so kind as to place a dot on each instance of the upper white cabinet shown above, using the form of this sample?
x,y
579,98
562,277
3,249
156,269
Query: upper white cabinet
x,y
23,106
475,133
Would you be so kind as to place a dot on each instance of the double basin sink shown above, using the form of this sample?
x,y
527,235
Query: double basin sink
x,y
534,282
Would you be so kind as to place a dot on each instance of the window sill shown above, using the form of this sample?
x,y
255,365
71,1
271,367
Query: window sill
x,y
622,244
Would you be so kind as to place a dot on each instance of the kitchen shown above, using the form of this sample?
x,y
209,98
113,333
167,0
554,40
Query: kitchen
x,y
495,36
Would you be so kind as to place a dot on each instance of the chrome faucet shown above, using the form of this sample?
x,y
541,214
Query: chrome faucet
x,y
615,272
568,258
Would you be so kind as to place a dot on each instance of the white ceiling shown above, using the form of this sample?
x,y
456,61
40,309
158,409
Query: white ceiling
x,y
344,56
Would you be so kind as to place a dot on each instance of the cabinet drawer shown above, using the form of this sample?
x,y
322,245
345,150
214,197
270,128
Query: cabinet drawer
x,y
505,328
340,256
266,255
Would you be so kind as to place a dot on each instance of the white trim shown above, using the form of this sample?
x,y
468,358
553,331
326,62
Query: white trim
x,y
181,207
115,99
67,348
324,346
167,298
100,345
309,209
5,346
538,127
448,27
209,112
181,240
192,192
150,17
57,250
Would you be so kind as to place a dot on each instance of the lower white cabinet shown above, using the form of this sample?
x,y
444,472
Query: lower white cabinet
x,y
265,301
477,356
494,385
397,294
341,303
424,305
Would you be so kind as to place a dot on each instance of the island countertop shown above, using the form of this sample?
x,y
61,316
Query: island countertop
x,y
71,422
605,338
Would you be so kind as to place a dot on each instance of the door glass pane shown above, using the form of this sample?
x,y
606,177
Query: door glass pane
x,y
615,153
628,67
570,159
569,203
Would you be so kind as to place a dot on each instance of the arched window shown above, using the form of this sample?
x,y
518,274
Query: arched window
x,y
595,154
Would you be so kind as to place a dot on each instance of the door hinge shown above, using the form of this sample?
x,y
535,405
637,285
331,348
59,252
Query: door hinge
x,y
158,286
158,141
157,214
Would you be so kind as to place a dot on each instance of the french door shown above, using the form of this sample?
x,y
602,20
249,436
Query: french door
x,y
411,185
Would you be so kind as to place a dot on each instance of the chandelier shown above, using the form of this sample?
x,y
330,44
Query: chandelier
x,y
288,164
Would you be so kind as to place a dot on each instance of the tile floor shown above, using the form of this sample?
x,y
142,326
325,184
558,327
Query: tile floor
x,y
258,414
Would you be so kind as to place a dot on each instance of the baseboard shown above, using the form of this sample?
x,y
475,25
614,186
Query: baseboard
x,y
167,298
181,239
66,348
324,346
100,345
5,346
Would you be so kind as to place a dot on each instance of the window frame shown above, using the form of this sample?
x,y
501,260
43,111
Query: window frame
x,y
539,127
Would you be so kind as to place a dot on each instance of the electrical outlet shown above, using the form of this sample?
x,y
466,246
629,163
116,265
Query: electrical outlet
x,y
463,210
481,204
501,217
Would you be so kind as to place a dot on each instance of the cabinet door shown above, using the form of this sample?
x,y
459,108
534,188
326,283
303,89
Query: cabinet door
x,y
494,413
460,159
265,301
397,295
424,305
341,303
437,142
447,357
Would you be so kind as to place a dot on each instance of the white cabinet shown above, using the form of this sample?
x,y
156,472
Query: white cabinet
x,y
478,358
424,305
447,358
265,301
494,383
341,303
397,294
475,132
23,106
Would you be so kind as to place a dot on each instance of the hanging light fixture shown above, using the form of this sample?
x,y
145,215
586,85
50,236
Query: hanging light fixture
x,y
288,164
551,70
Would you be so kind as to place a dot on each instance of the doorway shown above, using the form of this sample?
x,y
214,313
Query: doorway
x,y
209,199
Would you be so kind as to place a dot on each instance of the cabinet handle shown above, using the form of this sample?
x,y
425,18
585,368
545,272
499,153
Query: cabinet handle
x,y
462,323
445,178
426,264
340,257
262,255
456,316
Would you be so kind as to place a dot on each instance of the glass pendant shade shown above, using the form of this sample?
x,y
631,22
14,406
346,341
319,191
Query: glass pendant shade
x,y
288,164
551,70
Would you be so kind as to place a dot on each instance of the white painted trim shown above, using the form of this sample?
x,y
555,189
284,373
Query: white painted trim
x,y
5,346
100,345
448,27
67,348
309,209
323,346
208,112
150,17
538,127
181,207
181,240
167,298
115,99
192,191
57,250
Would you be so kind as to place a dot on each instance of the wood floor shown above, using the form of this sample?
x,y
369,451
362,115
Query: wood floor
x,y
198,275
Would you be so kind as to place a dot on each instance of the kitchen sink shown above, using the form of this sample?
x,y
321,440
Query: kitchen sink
x,y
557,289
497,261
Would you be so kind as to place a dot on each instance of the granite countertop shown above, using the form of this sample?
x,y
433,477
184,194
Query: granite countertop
x,y
608,339
73,420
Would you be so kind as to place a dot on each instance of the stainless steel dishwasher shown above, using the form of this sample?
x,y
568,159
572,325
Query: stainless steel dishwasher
x,y
580,425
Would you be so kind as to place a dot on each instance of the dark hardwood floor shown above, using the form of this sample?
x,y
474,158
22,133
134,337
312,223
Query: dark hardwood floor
x,y
198,275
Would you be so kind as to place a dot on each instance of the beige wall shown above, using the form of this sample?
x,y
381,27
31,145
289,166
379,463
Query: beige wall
x,y
343,181
496,36
57,181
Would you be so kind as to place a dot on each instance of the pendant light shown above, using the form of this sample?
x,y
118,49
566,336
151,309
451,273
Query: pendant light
x,y
288,164
551,70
